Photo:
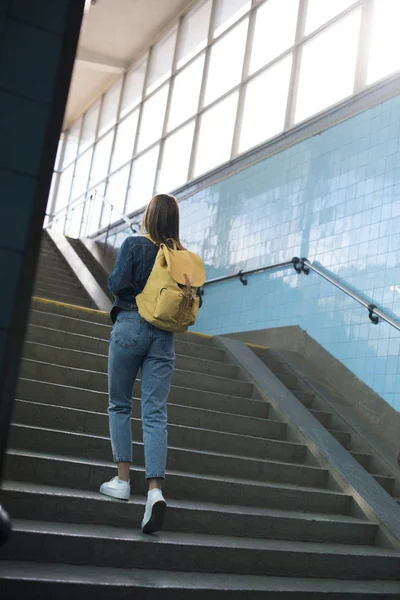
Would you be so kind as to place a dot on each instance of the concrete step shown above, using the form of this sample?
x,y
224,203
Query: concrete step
x,y
322,416
289,380
77,341
102,545
52,308
50,503
305,398
95,380
73,296
90,327
363,458
74,299
45,278
50,581
55,266
385,481
217,421
93,423
62,395
343,437
99,362
62,443
87,474
58,287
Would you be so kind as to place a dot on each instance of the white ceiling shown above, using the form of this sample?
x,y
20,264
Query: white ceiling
x,y
115,33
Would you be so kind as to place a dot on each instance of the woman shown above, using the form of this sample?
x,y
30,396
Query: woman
x,y
136,344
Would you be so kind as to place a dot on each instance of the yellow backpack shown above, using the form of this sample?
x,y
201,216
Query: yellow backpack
x,y
169,300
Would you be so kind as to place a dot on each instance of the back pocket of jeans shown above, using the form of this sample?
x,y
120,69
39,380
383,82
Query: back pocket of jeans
x,y
127,331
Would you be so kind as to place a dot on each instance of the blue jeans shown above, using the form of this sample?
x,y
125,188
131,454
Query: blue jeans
x,y
136,344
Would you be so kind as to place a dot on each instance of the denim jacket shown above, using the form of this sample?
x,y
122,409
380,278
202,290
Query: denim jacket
x,y
132,268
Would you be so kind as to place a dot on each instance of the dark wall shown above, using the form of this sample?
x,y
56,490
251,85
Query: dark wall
x,y
38,40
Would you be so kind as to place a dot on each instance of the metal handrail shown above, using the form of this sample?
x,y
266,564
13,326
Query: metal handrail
x,y
243,274
92,197
303,265
374,313
122,216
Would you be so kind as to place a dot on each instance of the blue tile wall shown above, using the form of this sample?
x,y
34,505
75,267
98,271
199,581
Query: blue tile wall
x,y
334,198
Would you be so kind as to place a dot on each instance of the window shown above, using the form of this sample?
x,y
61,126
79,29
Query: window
x,y
58,162
89,127
81,175
227,12
274,32
125,140
74,220
153,118
93,210
384,57
215,135
265,104
101,159
142,180
327,68
176,158
319,12
109,108
185,93
116,190
161,61
194,33
226,63
71,147
133,88
64,188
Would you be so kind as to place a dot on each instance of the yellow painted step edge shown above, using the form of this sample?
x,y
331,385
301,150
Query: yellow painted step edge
x,y
92,310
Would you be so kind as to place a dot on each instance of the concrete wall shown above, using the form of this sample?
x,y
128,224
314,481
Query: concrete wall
x,y
37,49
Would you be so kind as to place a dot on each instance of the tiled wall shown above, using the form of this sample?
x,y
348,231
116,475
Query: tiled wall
x,y
334,198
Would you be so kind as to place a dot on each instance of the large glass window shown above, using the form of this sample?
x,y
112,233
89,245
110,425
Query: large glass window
x,y
216,134
384,58
226,62
117,186
327,69
185,93
319,12
264,112
195,122
101,159
161,61
81,176
194,32
274,31
71,146
142,180
64,188
227,12
89,126
125,140
176,157
153,114
60,149
133,88
109,108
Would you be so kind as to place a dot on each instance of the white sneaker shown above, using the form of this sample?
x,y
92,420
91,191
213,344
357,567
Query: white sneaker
x,y
154,513
116,489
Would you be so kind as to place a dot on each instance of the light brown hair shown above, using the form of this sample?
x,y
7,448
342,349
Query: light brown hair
x,y
161,220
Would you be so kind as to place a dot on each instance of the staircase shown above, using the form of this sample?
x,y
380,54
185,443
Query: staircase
x,y
318,404
96,270
250,514
54,278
